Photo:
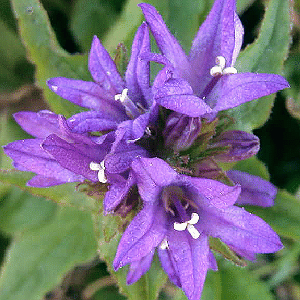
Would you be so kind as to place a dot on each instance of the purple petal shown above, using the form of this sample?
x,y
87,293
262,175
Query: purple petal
x,y
40,124
168,264
139,268
181,131
242,145
166,42
238,37
143,234
118,190
190,259
176,94
86,94
28,155
237,89
104,70
255,190
74,157
120,160
240,229
152,175
89,121
217,193
138,70
217,36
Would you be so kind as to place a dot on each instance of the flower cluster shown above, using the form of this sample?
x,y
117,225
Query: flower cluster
x,y
164,138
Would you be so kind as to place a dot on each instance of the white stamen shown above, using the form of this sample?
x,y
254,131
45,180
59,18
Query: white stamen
x,y
189,225
229,70
216,71
221,61
164,244
219,69
180,226
193,231
100,168
194,219
122,97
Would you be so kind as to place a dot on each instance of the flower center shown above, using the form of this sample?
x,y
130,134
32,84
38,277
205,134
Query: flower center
x,y
189,225
219,69
100,168
131,109
180,207
217,72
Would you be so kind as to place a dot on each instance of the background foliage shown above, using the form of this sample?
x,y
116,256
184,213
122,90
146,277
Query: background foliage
x,y
54,242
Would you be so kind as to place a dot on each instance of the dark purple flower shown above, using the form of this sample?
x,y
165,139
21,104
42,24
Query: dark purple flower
x,y
181,131
178,216
206,82
240,145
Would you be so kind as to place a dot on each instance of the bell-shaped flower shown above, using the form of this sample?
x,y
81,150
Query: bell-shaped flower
x,y
206,81
57,155
179,215
110,98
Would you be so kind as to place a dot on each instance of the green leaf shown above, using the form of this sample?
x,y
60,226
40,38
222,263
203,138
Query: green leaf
x,y
239,283
15,70
21,212
124,28
220,247
36,263
149,285
91,18
65,194
253,166
265,55
46,54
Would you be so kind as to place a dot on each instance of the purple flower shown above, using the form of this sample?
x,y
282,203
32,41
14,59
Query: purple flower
x,y
179,215
56,155
110,98
206,82
67,151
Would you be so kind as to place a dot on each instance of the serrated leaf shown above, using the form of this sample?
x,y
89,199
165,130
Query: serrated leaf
x,y
36,263
21,212
46,54
65,195
148,286
265,55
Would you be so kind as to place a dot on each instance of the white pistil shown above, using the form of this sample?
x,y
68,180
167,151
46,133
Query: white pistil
x,y
100,168
219,69
189,225
122,97
164,244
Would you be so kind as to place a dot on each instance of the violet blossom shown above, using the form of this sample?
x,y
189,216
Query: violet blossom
x,y
206,82
67,151
179,215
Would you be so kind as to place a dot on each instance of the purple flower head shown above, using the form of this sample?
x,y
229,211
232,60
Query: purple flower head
x,y
180,213
110,98
56,155
206,82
